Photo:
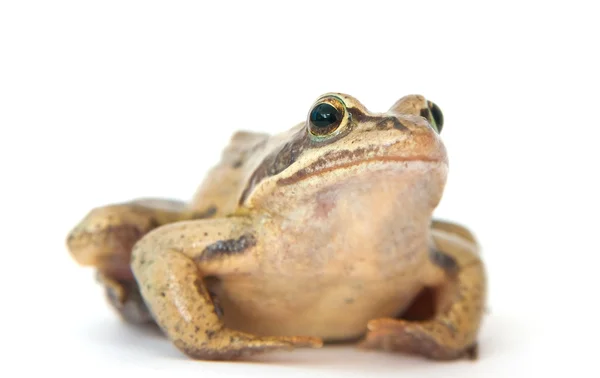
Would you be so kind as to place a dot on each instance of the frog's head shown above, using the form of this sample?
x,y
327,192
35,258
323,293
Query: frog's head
x,y
342,144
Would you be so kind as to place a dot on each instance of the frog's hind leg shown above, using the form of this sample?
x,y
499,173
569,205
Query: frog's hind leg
x,y
444,320
104,240
126,299
172,266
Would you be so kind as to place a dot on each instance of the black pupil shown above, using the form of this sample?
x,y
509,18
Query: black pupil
x,y
324,115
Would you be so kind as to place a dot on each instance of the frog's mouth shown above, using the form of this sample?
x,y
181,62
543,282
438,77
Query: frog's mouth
x,y
324,166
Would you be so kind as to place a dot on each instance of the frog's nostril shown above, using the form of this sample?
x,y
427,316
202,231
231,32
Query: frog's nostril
x,y
391,123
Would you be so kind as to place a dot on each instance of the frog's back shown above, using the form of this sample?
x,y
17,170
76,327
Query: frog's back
x,y
219,191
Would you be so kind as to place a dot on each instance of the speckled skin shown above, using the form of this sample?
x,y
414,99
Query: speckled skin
x,y
298,239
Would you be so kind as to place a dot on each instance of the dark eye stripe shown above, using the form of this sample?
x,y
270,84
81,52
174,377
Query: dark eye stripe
x,y
277,162
281,159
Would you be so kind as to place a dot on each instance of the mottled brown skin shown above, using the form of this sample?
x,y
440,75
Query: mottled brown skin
x,y
317,234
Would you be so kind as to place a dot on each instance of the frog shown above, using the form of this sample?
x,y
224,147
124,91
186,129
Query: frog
x,y
317,235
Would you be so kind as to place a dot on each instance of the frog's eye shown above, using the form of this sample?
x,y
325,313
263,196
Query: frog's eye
x,y
434,115
326,117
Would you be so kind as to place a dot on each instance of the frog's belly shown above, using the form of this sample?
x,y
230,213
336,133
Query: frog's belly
x,y
312,307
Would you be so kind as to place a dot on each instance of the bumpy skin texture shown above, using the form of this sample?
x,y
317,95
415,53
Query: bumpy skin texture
x,y
321,233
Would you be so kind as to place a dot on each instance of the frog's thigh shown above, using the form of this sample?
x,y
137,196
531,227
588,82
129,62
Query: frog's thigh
x,y
170,264
105,237
458,306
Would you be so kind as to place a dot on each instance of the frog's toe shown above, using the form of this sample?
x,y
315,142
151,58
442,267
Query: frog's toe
x,y
267,343
428,339
227,345
125,298
294,341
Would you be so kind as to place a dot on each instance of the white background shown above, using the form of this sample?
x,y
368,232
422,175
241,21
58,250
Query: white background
x,y
101,102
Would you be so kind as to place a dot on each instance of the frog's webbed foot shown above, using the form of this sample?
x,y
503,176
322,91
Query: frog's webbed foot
x,y
125,297
104,240
443,323
433,340
171,264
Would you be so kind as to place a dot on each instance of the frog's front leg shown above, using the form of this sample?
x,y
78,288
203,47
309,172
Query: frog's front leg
x,y
459,294
171,265
104,239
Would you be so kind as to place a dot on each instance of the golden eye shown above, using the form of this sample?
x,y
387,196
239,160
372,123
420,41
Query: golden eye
x,y
326,116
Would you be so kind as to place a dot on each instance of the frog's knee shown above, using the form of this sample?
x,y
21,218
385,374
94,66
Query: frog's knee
x,y
106,235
